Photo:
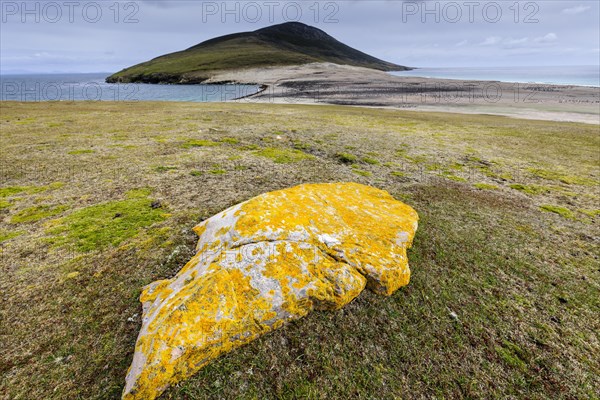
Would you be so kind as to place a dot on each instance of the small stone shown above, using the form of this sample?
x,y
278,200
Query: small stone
x,y
156,204
453,315
132,318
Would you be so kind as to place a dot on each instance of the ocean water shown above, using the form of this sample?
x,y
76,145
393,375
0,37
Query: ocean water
x,y
588,75
92,87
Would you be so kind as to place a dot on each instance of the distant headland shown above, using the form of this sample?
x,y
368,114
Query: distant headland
x,y
291,43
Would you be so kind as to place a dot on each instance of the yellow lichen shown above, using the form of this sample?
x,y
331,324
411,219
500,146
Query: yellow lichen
x,y
263,263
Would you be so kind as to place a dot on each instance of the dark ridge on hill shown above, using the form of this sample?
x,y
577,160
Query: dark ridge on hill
x,y
291,43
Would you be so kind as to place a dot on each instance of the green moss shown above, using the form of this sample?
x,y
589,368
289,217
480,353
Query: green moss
x,y
512,355
557,176
7,235
138,193
454,178
487,171
230,140
196,173
485,186
190,143
4,204
75,152
13,190
398,174
371,161
283,156
416,159
106,224
301,145
36,213
251,146
589,213
347,158
433,167
457,166
217,171
25,121
361,172
162,168
530,189
562,211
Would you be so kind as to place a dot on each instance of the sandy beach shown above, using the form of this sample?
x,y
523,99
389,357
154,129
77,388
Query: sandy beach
x,y
325,83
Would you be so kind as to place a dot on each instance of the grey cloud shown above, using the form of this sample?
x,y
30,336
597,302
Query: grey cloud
x,y
382,28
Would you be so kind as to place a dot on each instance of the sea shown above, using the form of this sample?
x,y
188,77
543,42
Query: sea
x,y
92,87
584,75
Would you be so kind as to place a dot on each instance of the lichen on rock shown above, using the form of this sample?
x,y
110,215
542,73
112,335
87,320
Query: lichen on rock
x,y
262,263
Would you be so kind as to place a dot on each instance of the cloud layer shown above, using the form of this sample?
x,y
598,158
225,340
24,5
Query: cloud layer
x,y
87,36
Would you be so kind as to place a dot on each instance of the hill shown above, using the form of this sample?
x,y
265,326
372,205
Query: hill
x,y
291,43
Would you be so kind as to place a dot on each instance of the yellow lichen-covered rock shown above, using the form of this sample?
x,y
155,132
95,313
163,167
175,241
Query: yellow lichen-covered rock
x,y
262,263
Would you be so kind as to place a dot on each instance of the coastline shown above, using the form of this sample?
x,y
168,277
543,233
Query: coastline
x,y
334,84
324,83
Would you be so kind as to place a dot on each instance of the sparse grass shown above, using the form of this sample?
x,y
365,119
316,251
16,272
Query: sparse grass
x,y
522,281
36,213
283,155
191,143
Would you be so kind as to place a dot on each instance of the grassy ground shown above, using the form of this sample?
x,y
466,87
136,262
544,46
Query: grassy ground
x,y
98,199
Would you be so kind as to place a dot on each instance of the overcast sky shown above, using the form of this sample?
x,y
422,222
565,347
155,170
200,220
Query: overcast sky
x,y
105,36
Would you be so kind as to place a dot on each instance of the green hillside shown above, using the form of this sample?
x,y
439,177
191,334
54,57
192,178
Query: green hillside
x,y
291,43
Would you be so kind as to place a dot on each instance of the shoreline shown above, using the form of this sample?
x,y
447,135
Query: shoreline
x,y
354,86
333,84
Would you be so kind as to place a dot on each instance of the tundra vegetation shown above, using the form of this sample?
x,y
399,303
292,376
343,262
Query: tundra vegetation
x,y
98,200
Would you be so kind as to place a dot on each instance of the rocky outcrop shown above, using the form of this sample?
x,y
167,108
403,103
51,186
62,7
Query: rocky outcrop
x,y
262,263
